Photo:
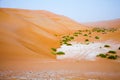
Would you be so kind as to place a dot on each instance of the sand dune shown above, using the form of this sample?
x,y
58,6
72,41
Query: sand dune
x,y
31,33
108,23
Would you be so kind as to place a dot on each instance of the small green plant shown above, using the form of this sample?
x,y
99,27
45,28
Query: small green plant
x,y
75,34
96,37
106,45
71,37
112,52
60,53
53,49
112,57
68,44
109,55
102,55
85,35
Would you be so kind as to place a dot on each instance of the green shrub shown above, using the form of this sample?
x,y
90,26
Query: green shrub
x,y
60,53
71,37
106,45
85,35
75,34
68,44
113,52
53,49
112,57
96,37
102,55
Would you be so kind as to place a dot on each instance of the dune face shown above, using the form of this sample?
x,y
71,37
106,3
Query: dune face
x,y
105,24
31,34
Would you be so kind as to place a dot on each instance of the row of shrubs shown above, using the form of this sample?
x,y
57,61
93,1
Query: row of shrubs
x,y
68,38
110,55
104,30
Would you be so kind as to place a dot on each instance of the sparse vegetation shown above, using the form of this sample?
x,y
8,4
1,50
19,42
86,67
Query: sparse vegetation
x,y
109,55
67,38
71,37
106,45
68,44
96,37
102,55
85,35
53,49
104,30
60,53
75,34
112,52
112,57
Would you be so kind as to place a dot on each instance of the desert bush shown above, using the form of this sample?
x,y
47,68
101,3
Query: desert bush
x,y
85,35
113,52
96,37
106,45
75,34
53,49
71,37
102,55
60,53
112,57
68,44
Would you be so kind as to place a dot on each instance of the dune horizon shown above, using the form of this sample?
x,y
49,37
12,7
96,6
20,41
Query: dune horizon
x,y
27,36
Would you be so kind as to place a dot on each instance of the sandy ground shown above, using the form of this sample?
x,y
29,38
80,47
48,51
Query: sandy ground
x,y
60,70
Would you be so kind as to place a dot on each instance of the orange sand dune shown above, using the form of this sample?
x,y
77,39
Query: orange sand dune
x,y
26,34
108,24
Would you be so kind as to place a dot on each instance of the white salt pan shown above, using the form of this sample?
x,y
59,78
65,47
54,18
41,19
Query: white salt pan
x,y
87,52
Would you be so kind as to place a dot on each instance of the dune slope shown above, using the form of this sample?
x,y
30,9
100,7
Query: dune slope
x,y
108,23
26,34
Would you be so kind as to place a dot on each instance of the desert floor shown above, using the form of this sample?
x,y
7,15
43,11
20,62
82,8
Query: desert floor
x,y
101,69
